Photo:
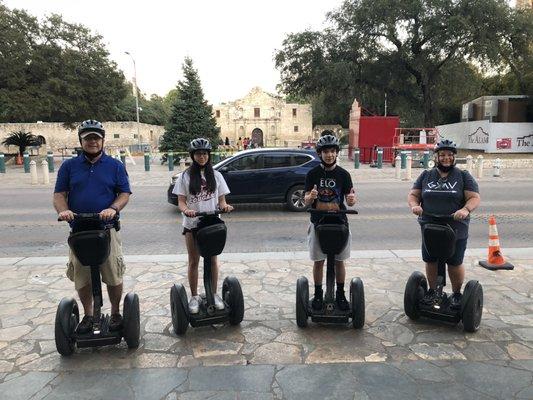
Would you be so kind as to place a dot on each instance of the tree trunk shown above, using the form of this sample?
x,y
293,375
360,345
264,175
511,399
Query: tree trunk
x,y
427,100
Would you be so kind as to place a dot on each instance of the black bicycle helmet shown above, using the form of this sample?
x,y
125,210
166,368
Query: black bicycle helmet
x,y
446,144
199,144
327,141
91,125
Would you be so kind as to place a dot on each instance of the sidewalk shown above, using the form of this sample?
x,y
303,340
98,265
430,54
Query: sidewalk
x,y
159,175
268,356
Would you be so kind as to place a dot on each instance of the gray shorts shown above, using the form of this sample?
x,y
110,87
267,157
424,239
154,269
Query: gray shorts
x,y
315,252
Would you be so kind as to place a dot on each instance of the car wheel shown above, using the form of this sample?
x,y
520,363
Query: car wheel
x,y
295,198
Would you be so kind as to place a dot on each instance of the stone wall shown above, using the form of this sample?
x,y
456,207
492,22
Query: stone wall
x,y
57,136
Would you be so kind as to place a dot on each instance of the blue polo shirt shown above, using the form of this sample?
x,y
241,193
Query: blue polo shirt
x,y
92,187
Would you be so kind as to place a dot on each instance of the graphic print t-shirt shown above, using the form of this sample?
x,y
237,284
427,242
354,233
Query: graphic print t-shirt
x,y
446,196
332,186
203,201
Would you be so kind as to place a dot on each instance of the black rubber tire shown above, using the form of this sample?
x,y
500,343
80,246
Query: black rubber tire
x,y
232,295
357,301
302,301
67,318
295,198
179,307
472,306
415,289
131,320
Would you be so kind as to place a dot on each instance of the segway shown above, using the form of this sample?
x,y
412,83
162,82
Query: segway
x,y
210,239
89,240
332,233
439,240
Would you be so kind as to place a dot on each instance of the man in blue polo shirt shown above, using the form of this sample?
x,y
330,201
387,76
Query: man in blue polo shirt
x,y
94,182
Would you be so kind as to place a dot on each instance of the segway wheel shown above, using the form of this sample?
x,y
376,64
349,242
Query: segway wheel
x,y
232,295
415,289
357,300
179,307
132,320
67,318
472,306
302,301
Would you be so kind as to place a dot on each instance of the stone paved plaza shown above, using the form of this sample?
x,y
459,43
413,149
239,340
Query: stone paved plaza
x,y
268,356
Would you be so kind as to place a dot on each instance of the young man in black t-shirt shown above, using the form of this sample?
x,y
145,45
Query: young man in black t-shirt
x,y
326,188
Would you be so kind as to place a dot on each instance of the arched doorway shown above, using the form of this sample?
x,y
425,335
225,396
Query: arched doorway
x,y
257,137
41,139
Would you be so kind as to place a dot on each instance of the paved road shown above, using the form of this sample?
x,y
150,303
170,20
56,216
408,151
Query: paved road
x,y
152,226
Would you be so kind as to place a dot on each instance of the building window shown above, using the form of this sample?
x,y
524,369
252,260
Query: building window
x,y
116,136
135,136
218,113
257,112
295,128
294,112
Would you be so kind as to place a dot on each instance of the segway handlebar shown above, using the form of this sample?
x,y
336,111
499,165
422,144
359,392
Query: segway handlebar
x,y
331,212
84,216
207,213
445,217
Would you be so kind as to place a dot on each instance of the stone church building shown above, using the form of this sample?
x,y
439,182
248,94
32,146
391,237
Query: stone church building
x,y
266,119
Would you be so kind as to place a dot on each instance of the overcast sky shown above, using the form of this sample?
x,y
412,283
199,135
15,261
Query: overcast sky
x,y
231,42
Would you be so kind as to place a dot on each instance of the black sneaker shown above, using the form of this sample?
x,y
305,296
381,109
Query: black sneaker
x,y
86,325
455,301
341,301
430,297
318,301
115,322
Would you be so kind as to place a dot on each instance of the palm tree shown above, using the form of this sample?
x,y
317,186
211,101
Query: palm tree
x,y
21,139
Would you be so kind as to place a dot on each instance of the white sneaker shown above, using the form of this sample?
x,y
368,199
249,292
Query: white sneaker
x,y
194,304
219,304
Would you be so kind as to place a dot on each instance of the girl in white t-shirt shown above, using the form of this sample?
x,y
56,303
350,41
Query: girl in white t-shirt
x,y
200,188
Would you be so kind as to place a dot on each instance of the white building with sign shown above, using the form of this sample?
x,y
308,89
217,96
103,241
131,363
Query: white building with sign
x,y
492,137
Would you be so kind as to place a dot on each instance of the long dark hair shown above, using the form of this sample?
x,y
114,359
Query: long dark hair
x,y
195,177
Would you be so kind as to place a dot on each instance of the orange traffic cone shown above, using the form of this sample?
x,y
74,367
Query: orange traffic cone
x,y
496,260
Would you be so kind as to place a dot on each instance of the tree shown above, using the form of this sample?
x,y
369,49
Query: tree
x,y
400,47
54,71
21,139
191,116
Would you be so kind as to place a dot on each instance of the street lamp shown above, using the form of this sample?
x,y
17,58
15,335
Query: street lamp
x,y
136,96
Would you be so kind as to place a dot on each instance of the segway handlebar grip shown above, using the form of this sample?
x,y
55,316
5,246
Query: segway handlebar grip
x,y
331,212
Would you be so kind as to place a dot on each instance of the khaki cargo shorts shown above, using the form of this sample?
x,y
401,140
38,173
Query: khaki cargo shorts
x,y
315,251
112,270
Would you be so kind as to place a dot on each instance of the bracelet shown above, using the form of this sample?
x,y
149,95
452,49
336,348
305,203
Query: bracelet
x,y
468,209
114,208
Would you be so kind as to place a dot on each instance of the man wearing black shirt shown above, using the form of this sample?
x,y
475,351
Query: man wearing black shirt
x,y
326,188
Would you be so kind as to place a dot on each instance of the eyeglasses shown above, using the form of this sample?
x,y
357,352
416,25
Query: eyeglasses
x,y
446,156
92,138
201,153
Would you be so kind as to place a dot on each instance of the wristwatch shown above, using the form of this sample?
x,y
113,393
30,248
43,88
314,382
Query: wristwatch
x,y
114,208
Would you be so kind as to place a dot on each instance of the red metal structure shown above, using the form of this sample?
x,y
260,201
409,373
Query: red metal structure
x,y
374,132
